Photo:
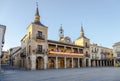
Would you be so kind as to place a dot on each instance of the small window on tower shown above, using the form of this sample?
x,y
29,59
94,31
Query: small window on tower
x,y
39,48
86,44
39,34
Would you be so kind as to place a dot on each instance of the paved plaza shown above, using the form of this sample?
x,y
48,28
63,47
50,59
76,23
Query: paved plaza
x,y
78,74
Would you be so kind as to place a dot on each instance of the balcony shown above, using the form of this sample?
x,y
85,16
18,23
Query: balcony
x,y
40,36
94,51
95,58
22,54
66,54
87,46
38,51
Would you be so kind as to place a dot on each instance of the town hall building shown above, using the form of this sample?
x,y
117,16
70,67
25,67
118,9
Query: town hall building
x,y
38,52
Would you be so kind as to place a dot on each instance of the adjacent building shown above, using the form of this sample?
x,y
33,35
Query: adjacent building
x,y
101,56
116,52
12,52
2,39
5,57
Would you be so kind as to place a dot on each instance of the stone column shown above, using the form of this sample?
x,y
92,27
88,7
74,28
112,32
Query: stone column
x,y
65,62
97,63
106,63
72,63
114,62
103,62
84,62
78,62
45,61
100,63
89,62
94,63
56,62
33,62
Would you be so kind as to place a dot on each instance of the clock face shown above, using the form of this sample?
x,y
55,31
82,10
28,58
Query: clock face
x,y
67,40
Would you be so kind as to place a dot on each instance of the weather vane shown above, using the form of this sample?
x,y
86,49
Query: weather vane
x,y
37,4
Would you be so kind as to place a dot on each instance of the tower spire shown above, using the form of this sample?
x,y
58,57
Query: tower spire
x,y
82,31
61,33
37,16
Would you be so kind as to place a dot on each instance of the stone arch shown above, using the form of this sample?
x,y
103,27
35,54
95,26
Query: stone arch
x,y
39,63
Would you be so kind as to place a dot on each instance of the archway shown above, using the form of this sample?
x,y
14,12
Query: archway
x,y
51,63
39,63
61,62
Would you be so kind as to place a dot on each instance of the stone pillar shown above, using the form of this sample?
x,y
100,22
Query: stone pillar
x,y
114,62
78,62
89,62
94,63
27,63
84,62
65,62
100,63
45,61
106,63
56,62
33,62
103,62
97,63
72,63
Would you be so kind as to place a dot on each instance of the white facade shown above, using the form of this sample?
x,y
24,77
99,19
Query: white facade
x,y
99,52
2,33
116,50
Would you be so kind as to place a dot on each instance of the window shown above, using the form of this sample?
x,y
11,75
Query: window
x,y
118,55
29,49
39,48
81,50
86,44
95,50
86,53
39,34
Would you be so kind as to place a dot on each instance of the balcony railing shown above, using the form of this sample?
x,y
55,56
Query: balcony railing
x,y
66,53
87,46
87,55
94,51
22,54
40,37
40,51
95,57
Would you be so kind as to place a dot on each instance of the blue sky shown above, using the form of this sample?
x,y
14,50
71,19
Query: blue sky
x,y
100,18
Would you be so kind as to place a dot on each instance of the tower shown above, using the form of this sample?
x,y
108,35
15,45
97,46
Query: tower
x,y
35,42
85,42
61,33
82,40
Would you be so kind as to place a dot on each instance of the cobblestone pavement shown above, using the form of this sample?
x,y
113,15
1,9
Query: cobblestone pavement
x,y
79,74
